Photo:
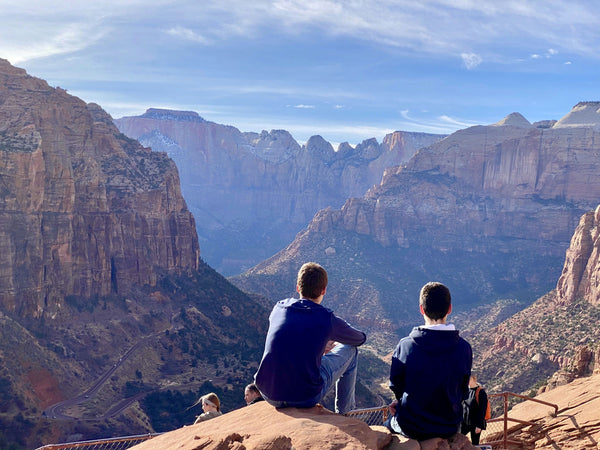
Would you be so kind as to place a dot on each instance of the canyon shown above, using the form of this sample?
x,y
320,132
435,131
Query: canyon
x,y
252,192
489,211
105,296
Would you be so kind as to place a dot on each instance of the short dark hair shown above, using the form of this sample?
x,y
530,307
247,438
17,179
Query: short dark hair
x,y
312,279
252,388
435,299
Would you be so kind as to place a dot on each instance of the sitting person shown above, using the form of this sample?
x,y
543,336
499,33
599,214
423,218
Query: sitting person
x,y
430,372
296,369
252,394
211,407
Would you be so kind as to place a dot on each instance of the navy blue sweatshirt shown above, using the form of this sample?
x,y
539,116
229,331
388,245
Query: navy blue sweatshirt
x,y
299,329
430,378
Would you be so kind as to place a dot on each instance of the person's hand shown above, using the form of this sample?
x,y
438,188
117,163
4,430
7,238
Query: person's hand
x,y
329,346
392,407
477,430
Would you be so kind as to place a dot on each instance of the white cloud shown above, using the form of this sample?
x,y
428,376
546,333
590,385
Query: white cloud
x,y
304,106
456,122
471,60
434,27
437,27
188,35
68,38
443,124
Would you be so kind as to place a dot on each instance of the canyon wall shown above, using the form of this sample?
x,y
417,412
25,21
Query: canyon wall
x,y
489,211
252,192
84,210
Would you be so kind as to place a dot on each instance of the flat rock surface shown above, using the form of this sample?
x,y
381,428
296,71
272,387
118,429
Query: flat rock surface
x,y
260,426
575,426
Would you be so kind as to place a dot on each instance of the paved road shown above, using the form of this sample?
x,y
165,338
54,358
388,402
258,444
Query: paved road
x,y
56,411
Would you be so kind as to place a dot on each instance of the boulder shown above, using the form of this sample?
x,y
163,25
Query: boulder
x,y
261,426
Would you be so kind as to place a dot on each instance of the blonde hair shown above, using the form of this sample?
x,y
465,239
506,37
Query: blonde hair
x,y
212,399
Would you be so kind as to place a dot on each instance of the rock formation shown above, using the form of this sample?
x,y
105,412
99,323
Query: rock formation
x,y
581,273
576,425
103,297
252,192
260,426
489,210
554,340
84,210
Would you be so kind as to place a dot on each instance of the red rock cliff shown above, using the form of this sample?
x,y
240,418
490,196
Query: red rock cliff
x,y
581,273
83,210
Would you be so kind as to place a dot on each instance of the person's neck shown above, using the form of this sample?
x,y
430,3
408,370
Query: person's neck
x,y
317,300
430,322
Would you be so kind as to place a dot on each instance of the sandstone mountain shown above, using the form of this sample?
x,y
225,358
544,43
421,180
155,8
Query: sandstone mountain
x,y
556,339
83,210
103,296
252,192
489,211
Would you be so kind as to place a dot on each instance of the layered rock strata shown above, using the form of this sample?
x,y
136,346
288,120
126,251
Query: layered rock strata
x,y
581,273
489,210
252,192
84,210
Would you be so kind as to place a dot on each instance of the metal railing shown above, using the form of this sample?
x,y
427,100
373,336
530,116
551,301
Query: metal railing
x,y
497,432
119,443
371,416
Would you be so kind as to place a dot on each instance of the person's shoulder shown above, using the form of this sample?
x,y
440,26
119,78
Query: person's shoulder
x,y
462,341
406,342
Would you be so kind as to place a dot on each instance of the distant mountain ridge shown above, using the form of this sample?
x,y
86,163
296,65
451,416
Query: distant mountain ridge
x,y
489,210
252,192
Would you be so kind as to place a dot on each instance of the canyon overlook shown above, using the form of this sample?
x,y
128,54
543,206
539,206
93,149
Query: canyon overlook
x,y
101,269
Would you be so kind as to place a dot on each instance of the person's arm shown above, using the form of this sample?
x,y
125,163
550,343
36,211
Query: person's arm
x,y
469,362
344,333
482,406
397,375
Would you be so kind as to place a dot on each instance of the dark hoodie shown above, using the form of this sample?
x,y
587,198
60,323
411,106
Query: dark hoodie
x,y
299,330
430,378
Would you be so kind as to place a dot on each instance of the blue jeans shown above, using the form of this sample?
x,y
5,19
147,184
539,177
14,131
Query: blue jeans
x,y
339,367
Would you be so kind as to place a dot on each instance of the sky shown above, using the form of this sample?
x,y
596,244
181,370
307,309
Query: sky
x,y
347,70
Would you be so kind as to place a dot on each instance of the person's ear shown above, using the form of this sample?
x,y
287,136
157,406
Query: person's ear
x,y
297,289
449,309
421,309
324,290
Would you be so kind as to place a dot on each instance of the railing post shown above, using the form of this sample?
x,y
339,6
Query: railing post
x,y
505,420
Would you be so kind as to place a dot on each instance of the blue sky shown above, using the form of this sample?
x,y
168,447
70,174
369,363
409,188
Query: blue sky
x,y
347,70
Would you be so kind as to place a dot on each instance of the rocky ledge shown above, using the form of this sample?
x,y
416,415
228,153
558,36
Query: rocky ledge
x,y
260,426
